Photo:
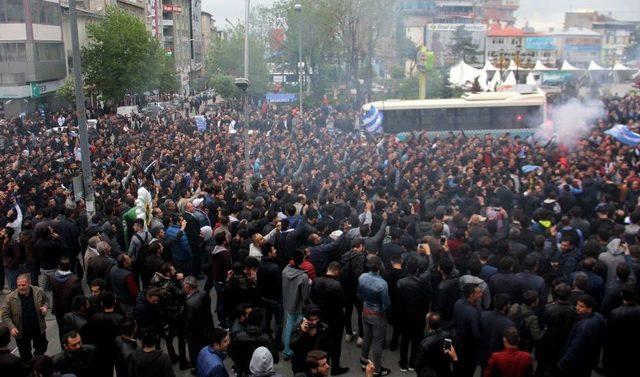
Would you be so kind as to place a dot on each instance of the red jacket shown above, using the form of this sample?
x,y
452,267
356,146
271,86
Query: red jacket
x,y
509,363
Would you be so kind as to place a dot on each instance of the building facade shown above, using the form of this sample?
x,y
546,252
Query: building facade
x,y
578,45
32,54
504,43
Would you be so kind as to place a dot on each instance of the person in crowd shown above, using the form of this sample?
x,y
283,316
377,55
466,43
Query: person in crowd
x,y
310,334
436,355
353,265
148,361
65,286
102,330
511,362
261,364
24,311
11,364
295,292
269,283
374,293
211,358
10,258
468,329
247,341
123,283
328,294
198,321
582,351
76,358
125,344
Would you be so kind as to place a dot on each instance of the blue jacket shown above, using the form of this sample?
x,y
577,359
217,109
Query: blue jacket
x,y
374,292
180,249
211,363
582,350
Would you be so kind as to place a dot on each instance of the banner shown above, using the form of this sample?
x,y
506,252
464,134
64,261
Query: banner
x,y
624,135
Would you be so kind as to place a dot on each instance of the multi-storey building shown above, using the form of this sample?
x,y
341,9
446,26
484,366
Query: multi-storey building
x,y
32,54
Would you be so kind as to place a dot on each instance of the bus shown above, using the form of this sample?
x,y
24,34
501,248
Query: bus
x,y
518,112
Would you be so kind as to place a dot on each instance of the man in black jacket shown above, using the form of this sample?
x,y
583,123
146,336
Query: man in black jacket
x,y
64,287
433,358
327,293
198,318
192,231
125,345
9,363
269,284
247,341
310,334
102,330
494,323
623,328
466,316
414,296
76,358
559,317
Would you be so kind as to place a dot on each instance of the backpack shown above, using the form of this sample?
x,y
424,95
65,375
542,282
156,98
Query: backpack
x,y
141,253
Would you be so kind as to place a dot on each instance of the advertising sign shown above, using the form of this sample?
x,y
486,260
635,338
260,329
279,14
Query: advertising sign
x,y
540,43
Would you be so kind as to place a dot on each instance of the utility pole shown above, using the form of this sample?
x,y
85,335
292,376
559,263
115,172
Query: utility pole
x,y
298,9
247,164
81,116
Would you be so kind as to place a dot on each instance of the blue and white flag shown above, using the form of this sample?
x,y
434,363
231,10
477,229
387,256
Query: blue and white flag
x,y
372,121
624,135
529,168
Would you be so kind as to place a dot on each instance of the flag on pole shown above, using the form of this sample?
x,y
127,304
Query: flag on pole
x,y
372,121
624,135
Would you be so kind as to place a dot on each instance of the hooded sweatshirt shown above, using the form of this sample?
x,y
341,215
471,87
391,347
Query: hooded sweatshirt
x,y
611,258
262,363
295,289
152,364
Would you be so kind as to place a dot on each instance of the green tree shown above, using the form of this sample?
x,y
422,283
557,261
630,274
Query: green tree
x,y
225,86
169,81
121,56
463,47
67,91
227,59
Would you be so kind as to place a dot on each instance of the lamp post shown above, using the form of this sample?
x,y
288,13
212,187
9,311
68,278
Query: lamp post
x,y
81,116
298,9
243,84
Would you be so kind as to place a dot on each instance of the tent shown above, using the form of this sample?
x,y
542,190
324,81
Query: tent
x,y
621,67
593,66
531,80
482,80
495,81
541,67
462,73
510,80
513,67
566,66
488,66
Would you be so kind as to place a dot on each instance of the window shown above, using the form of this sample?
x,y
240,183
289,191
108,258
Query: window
x,y
12,78
12,52
45,12
48,52
11,11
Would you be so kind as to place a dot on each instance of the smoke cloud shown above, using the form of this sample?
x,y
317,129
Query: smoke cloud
x,y
571,121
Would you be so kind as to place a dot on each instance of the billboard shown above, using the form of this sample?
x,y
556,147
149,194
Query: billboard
x,y
441,38
582,44
540,43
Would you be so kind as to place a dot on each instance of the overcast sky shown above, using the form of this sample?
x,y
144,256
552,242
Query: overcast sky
x,y
541,14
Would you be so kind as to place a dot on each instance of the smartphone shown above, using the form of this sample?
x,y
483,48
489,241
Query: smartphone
x,y
447,344
443,240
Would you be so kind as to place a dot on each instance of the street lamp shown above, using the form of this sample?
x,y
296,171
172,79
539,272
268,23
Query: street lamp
x,y
243,84
298,9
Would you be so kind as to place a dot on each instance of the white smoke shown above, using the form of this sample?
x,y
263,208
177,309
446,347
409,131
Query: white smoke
x,y
571,121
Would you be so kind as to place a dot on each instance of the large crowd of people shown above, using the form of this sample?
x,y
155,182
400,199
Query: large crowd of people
x,y
517,256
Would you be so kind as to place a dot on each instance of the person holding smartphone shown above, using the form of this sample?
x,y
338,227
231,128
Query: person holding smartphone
x,y
436,355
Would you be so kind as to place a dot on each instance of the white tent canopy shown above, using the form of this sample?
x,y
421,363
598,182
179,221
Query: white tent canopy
x,y
488,66
531,80
482,80
462,73
566,66
621,67
495,81
512,66
511,79
541,67
593,66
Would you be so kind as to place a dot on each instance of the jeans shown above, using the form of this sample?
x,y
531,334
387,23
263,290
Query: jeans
x,y
43,279
24,345
352,301
374,331
292,320
273,308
